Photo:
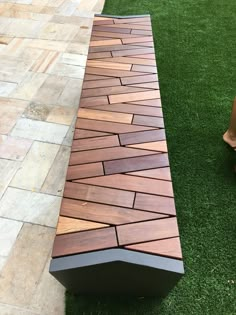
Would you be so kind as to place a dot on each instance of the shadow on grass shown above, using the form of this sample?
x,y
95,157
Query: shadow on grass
x,y
104,305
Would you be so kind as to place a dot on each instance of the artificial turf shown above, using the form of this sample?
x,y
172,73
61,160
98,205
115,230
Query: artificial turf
x,y
196,56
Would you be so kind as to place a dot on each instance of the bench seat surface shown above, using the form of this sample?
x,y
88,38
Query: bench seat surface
x,y
118,191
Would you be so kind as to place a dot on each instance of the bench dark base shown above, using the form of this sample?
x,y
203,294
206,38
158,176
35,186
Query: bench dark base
x,y
117,272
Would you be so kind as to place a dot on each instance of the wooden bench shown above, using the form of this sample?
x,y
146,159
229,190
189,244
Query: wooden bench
x,y
117,231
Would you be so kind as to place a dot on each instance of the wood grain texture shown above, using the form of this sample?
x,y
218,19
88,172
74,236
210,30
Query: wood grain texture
x,y
168,247
106,155
136,163
99,212
147,231
68,225
115,197
95,143
81,242
84,171
157,173
118,191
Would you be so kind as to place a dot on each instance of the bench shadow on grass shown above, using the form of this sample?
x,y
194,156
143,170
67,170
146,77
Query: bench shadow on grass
x,y
104,305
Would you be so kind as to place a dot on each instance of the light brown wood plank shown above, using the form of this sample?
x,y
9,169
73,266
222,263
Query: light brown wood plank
x,y
132,20
155,203
112,72
168,247
68,225
111,29
130,97
113,48
141,32
103,115
95,143
137,40
147,231
139,79
105,42
84,171
85,241
107,154
145,56
89,77
157,173
154,102
108,65
105,54
160,146
134,26
150,85
130,60
110,196
113,35
146,69
107,214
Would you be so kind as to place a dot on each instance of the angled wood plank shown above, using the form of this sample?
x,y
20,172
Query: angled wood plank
x,y
148,121
104,115
131,60
68,225
111,90
105,42
157,173
84,134
130,97
160,146
139,79
100,83
155,203
132,109
131,51
142,136
98,212
108,65
84,171
95,143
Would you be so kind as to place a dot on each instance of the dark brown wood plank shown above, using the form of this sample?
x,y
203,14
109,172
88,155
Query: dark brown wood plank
x,y
101,83
132,183
139,79
148,121
168,247
104,213
110,196
81,242
105,54
132,20
107,126
92,101
84,134
147,231
84,171
132,109
95,143
112,72
136,163
142,136
155,203
157,173
107,154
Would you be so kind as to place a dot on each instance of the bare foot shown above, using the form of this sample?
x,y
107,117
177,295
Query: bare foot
x,y
229,140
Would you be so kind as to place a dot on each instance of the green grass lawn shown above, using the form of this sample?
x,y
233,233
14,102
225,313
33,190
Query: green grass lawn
x,y
196,54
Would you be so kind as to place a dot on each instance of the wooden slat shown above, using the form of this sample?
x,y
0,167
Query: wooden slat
x,y
68,225
112,72
108,65
139,79
145,56
148,121
142,136
110,196
150,85
137,40
131,51
136,163
103,115
100,83
80,242
107,126
146,69
105,54
132,183
84,134
111,90
147,231
160,146
168,247
130,97
157,173
107,214
155,203
111,29
131,60
154,102
92,101
105,42
113,35
132,109
107,154
95,143
84,171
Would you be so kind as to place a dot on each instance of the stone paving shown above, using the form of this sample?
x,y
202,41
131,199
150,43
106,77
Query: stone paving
x,y
43,48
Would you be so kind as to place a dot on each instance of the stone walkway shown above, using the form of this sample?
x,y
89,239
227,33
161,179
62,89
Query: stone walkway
x,y
43,47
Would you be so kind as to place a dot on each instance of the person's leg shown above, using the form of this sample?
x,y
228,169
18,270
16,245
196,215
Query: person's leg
x,y
230,135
